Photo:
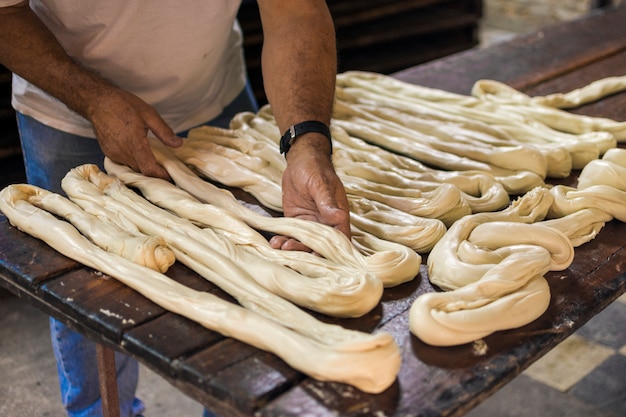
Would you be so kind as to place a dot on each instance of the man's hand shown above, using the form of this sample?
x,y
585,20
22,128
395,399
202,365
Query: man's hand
x,y
301,33
312,190
121,122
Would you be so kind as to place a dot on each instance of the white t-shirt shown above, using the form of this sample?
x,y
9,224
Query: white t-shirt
x,y
182,56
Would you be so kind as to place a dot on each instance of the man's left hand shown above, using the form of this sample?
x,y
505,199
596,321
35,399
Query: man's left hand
x,y
312,191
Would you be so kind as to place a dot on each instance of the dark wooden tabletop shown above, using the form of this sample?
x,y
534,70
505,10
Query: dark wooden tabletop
x,y
235,379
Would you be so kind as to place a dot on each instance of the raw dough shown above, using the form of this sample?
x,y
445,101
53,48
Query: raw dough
x,y
323,351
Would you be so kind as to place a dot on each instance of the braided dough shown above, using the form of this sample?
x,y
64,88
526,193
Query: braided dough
x,y
323,351
492,264
414,161
394,264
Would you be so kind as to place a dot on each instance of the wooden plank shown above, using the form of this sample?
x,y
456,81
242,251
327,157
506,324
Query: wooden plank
x,y
252,382
348,12
365,12
611,66
387,58
167,340
238,375
294,402
409,25
528,60
99,302
202,367
29,261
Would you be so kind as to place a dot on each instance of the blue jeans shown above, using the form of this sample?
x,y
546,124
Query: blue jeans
x,y
48,155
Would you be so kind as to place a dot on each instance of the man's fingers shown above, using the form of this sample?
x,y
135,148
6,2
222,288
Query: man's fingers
x,y
173,141
276,242
147,163
296,245
287,243
156,171
162,130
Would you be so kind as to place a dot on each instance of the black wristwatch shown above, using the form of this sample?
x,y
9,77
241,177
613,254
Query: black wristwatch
x,y
301,128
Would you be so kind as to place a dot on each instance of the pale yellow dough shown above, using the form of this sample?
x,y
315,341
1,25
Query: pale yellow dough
x,y
118,237
493,270
489,264
394,265
323,351
492,266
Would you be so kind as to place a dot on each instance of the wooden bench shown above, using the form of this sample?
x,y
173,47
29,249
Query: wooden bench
x,y
235,379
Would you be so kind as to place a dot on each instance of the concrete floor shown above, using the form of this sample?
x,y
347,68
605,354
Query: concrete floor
x,y
28,382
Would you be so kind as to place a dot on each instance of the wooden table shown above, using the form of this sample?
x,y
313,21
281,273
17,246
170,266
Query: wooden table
x,y
235,379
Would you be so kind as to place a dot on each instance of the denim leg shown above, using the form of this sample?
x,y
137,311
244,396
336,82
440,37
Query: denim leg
x,y
50,153
78,375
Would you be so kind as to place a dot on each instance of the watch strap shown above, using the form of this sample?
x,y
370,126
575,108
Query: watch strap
x,y
289,137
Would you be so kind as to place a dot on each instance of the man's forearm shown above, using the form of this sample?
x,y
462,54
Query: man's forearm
x,y
299,60
29,49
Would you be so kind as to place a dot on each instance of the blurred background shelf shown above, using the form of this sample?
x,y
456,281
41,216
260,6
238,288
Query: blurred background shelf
x,y
380,35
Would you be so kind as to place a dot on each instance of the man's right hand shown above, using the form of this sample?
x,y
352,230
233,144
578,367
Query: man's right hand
x,y
122,122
